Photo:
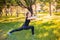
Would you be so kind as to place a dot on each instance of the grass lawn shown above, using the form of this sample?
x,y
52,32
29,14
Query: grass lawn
x,y
44,30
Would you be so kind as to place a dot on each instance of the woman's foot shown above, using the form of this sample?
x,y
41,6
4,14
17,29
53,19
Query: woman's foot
x,y
9,32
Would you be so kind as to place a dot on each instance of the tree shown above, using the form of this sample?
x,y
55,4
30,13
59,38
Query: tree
x,y
22,3
2,4
26,4
49,1
58,4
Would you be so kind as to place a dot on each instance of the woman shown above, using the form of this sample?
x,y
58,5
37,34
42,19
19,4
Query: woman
x,y
25,26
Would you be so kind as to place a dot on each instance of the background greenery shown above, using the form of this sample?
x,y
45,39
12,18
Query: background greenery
x,y
46,29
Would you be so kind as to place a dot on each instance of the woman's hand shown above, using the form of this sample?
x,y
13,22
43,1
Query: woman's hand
x,y
32,18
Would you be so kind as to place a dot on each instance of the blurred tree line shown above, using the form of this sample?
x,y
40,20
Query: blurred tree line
x,y
26,4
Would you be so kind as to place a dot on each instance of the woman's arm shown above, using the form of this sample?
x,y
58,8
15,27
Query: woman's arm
x,y
32,18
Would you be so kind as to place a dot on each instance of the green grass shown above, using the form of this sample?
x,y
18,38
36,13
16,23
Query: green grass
x,y
49,30
41,33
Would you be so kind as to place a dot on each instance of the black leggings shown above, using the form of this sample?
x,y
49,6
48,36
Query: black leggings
x,y
24,28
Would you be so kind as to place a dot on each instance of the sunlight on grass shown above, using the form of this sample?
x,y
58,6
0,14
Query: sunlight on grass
x,y
46,34
55,32
27,36
46,29
43,35
0,30
40,35
4,35
50,27
38,22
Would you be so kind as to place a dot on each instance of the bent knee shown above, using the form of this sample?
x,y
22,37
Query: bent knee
x,y
32,26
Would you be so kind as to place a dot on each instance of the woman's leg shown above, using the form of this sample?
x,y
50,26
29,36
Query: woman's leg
x,y
19,29
30,27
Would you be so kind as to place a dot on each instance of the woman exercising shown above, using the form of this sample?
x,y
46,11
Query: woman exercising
x,y
25,26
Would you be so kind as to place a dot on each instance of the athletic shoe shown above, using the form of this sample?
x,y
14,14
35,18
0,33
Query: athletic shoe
x,y
9,32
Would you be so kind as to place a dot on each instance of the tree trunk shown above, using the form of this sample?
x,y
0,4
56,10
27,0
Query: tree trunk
x,y
2,4
11,14
31,10
0,12
17,11
35,9
50,9
6,13
17,15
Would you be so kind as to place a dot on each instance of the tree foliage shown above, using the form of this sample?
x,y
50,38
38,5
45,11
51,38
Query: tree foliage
x,y
26,4
46,0
2,3
58,4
